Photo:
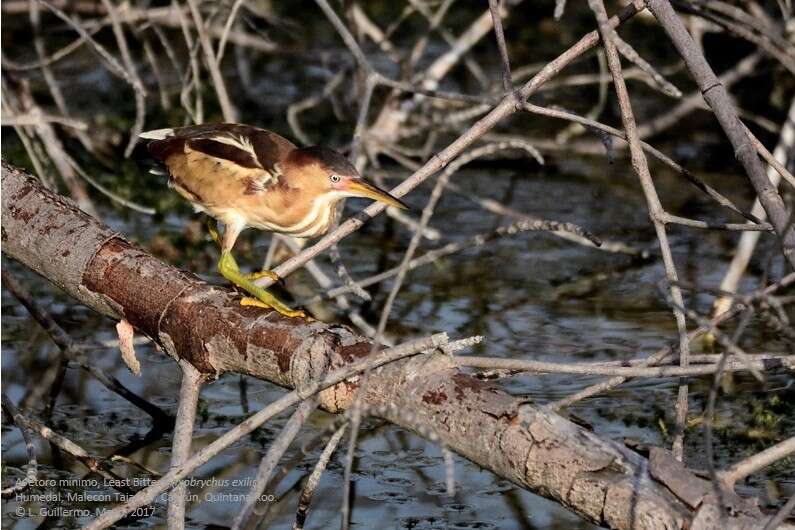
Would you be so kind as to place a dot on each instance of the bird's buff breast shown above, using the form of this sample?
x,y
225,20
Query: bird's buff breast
x,y
224,191
311,222
307,222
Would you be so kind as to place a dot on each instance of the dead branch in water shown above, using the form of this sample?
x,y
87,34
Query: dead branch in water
x,y
205,326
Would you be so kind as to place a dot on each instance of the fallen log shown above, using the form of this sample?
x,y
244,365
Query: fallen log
x,y
537,449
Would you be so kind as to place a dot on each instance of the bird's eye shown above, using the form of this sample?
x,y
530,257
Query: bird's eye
x,y
335,178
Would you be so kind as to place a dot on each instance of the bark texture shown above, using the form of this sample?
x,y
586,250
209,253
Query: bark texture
x,y
530,445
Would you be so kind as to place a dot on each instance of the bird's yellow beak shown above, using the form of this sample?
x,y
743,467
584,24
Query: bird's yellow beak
x,y
361,188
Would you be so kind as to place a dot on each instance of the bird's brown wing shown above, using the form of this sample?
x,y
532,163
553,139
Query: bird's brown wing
x,y
218,166
245,146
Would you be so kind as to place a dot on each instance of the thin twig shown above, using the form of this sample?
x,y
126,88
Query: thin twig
x,y
32,467
271,459
228,110
314,479
747,243
530,224
761,460
495,7
181,443
717,485
230,20
770,159
673,116
700,184
658,80
641,168
662,354
192,76
519,365
113,65
30,119
129,64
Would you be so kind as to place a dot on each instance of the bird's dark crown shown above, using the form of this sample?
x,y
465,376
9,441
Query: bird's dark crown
x,y
328,158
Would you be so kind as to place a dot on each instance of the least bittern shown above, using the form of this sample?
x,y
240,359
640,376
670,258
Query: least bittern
x,y
248,177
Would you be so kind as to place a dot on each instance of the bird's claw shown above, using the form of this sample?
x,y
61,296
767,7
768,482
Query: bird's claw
x,y
213,231
250,301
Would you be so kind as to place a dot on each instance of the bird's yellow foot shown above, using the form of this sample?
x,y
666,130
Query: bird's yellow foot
x,y
228,268
263,274
286,311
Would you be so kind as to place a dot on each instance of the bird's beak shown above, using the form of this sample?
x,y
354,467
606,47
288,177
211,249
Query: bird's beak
x,y
362,188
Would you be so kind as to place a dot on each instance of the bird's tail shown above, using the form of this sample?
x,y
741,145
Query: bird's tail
x,y
157,134
153,136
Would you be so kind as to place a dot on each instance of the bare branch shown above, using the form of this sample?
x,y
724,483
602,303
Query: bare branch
x,y
495,8
229,111
271,459
181,443
641,168
519,365
717,98
32,467
314,479
761,460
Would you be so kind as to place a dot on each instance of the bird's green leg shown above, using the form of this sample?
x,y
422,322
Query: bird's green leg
x,y
262,298
211,227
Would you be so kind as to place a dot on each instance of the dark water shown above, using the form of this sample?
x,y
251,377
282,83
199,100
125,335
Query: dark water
x,y
532,296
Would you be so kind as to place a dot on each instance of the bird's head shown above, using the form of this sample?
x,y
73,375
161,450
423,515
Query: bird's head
x,y
325,171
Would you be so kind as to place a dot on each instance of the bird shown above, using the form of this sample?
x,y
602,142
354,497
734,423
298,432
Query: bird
x,y
244,176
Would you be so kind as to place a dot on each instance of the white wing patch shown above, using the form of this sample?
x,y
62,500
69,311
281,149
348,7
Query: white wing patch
x,y
157,134
240,142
